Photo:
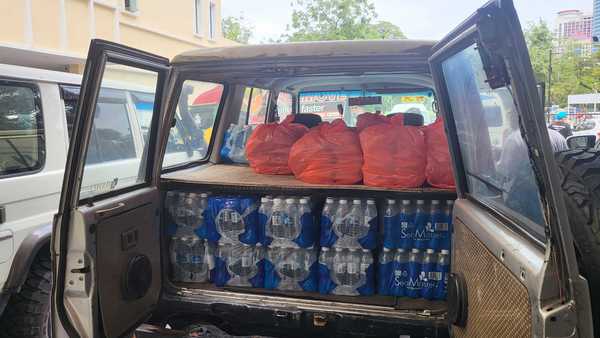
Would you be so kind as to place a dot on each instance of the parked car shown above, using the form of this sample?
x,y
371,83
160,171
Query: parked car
x,y
515,271
37,111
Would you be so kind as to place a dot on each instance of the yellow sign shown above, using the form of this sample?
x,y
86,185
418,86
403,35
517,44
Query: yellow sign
x,y
412,99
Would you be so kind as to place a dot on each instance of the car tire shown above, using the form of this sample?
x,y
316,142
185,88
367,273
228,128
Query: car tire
x,y
27,313
580,169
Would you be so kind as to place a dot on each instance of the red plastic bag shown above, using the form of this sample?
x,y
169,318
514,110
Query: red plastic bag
x,y
365,120
394,155
439,164
328,154
268,147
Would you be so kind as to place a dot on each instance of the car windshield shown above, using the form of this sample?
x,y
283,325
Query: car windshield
x,y
331,105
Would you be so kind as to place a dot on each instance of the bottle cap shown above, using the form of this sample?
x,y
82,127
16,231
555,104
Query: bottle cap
x,y
303,201
430,251
435,202
400,250
290,201
415,250
370,201
258,245
203,195
420,202
386,250
343,201
366,251
405,202
445,252
324,248
277,200
264,200
329,200
269,197
391,201
338,249
356,202
449,202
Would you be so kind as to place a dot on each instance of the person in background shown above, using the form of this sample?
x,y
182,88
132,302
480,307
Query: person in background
x,y
557,141
560,125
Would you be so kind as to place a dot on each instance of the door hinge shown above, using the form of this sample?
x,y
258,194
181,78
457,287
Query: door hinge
x,y
2,215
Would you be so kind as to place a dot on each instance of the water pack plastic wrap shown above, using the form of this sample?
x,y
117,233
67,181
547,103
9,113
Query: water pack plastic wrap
x,y
349,272
288,221
291,269
394,155
349,223
231,219
239,265
439,164
234,144
328,154
268,148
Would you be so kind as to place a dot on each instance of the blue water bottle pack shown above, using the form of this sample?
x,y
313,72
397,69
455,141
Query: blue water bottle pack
x,y
292,269
349,224
230,219
288,222
348,272
239,265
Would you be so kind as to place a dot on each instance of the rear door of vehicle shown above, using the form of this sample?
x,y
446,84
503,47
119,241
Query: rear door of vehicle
x,y
514,271
106,252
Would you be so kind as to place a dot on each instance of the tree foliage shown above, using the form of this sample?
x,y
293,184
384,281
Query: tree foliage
x,y
316,20
573,72
237,29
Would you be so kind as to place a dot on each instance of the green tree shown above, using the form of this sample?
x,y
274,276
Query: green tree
x,y
314,20
539,42
237,29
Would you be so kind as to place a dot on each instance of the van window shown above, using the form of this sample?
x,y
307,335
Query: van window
x,y
70,95
284,105
254,106
21,129
327,104
496,159
195,117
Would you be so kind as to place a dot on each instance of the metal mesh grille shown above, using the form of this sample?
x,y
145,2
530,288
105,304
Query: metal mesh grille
x,y
498,302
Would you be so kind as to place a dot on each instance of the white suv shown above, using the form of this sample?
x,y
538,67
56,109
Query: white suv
x,y
37,111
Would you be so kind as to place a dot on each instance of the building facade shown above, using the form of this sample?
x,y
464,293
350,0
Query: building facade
x,y
573,29
596,21
55,34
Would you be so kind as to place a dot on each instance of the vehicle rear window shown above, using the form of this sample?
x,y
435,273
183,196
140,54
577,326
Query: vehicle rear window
x,y
253,110
21,129
329,104
284,105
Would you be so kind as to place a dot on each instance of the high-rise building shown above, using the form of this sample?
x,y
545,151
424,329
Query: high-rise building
x,y
573,29
596,21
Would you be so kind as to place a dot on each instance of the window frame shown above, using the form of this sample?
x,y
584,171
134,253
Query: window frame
x,y
37,98
198,28
131,9
212,20
247,123
170,114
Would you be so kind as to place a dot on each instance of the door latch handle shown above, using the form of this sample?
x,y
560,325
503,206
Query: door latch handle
x,y
101,212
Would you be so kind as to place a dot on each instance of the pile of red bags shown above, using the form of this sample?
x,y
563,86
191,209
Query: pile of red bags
x,y
268,147
394,154
328,154
365,120
439,164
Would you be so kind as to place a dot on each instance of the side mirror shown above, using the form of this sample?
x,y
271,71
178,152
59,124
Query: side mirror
x,y
581,141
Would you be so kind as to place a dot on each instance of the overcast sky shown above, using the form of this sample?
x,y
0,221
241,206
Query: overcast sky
x,y
418,19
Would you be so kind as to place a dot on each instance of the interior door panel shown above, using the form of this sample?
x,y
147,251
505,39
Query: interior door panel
x,y
498,301
128,263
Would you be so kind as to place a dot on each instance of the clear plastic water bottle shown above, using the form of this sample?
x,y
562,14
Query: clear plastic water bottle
x,y
406,220
370,214
340,222
353,270
428,274
327,221
384,272
340,272
178,256
170,203
366,260
442,269
390,225
291,268
199,260
400,273
242,265
184,257
292,220
413,282
436,217
264,214
325,258
421,239
276,225
445,230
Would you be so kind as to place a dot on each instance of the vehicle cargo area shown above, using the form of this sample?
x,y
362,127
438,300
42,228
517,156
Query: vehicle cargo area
x,y
282,279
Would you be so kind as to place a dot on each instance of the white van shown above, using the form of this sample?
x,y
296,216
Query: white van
x,y
37,112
